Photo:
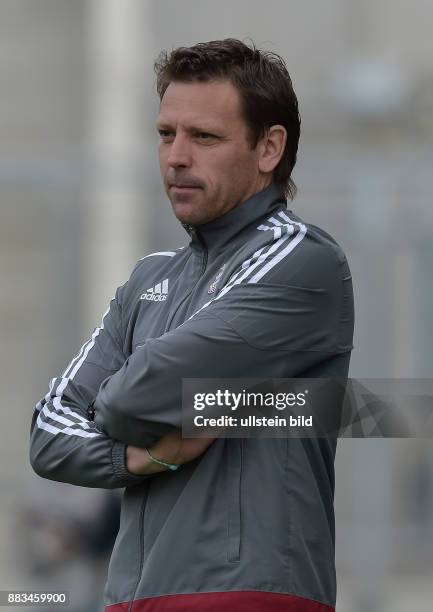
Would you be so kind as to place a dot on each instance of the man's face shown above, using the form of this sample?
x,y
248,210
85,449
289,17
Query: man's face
x,y
206,161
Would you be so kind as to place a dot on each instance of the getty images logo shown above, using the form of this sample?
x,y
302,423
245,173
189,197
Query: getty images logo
x,y
158,293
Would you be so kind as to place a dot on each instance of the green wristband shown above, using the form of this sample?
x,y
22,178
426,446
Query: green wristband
x,y
170,466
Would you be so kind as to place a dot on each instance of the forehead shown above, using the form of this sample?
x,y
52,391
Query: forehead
x,y
200,102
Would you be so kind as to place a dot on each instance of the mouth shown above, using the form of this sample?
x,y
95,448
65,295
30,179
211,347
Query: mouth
x,y
183,187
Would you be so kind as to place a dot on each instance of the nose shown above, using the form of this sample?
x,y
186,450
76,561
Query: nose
x,y
180,152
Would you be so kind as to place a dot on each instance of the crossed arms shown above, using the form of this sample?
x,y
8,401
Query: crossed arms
x,y
262,330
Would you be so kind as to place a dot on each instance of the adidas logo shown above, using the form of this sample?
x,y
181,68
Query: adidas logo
x,y
158,293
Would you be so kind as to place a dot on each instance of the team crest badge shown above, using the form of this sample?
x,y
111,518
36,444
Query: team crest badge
x,y
214,285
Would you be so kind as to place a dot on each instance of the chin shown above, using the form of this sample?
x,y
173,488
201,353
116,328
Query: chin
x,y
193,220
188,213
184,217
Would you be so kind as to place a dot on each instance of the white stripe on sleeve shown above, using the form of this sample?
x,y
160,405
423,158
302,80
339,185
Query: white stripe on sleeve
x,y
80,423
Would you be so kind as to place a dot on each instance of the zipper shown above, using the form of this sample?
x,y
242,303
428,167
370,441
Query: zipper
x,y
234,499
202,271
141,543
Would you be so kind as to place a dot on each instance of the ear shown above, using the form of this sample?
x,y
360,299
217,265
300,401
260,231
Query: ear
x,y
272,147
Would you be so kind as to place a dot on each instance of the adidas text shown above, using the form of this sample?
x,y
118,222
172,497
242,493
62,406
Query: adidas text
x,y
157,293
153,297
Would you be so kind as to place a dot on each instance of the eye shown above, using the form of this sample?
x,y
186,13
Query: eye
x,y
165,134
206,136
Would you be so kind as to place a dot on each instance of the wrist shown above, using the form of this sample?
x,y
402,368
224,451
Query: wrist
x,y
164,464
139,463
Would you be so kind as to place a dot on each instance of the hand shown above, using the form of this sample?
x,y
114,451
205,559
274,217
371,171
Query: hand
x,y
171,448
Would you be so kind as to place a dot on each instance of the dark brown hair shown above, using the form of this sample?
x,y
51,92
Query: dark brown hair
x,y
263,83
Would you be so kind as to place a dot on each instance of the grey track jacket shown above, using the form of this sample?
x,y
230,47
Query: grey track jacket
x,y
248,525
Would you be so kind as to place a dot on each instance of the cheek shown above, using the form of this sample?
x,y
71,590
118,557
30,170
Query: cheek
x,y
224,171
226,165
162,154
242,167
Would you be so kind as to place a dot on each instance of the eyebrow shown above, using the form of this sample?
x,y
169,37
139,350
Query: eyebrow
x,y
162,124
192,129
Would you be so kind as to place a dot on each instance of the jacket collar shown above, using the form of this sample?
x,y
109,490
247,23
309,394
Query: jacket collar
x,y
215,234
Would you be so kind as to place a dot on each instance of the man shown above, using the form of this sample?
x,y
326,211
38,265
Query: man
x,y
239,524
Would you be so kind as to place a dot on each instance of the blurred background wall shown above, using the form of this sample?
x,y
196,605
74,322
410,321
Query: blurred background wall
x,y
81,201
